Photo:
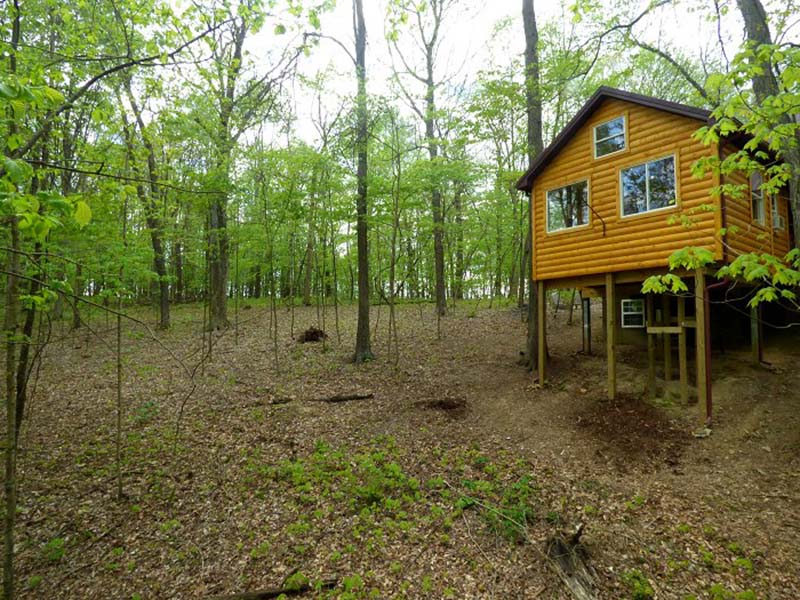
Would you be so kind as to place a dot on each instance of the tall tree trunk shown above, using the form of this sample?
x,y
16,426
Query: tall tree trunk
x,y
218,238
218,262
308,261
436,194
179,281
765,84
149,199
362,351
78,291
458,288
255,288
533,100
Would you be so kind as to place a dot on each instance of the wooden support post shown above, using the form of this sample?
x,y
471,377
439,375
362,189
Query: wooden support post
x,y
540,329
611,336
604,318
682,362
651,348
666,310
701,341
586,304
756,348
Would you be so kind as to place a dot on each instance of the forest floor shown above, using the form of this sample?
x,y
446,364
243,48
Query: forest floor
x,y
413,493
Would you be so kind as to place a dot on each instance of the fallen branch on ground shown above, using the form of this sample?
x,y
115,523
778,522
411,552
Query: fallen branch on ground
x,y
326,584
343,397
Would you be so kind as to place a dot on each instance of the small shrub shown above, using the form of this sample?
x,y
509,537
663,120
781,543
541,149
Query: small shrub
x,y
145,412
639,585
635,503
260,551
708,559
296,582
170,525
352,583
54,550
34,581
744,564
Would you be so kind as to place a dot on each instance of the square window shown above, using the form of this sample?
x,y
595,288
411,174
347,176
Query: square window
x,y
633,313
568,206
649,186
609,137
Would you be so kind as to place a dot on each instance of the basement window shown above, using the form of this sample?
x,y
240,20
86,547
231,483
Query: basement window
x,y
633,313
568,206
609,137
649,186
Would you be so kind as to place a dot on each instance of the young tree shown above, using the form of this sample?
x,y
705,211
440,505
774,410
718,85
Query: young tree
x,y
429,19
362,351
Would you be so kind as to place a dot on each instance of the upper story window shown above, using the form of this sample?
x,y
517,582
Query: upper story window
x,y
568,206
648,186
778,222
609,137
757,199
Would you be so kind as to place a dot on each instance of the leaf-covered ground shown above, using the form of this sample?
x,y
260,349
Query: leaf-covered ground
x,y
445,484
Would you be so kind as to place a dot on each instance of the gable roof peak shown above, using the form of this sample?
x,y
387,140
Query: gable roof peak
x,y
602,93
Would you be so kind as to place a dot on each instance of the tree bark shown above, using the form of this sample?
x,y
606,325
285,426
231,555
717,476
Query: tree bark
x,y
363,351
78,291
458,208
436,194
533,100
218,262
179,281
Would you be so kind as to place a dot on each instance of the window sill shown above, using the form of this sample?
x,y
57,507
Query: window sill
x,y
648,213
575,229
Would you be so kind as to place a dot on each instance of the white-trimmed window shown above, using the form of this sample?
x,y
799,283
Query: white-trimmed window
x,y
778,222
648,186
757,199
568,206
633,313
609,137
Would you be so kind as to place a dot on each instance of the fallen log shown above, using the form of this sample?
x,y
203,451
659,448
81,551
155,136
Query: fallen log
x,y
268,593
343,397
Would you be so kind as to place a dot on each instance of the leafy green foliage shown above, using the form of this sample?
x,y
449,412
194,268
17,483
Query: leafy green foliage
x,y
777,279
689,258
640,586
55,549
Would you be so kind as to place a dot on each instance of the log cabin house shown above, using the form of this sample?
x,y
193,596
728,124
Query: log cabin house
x,y
613,196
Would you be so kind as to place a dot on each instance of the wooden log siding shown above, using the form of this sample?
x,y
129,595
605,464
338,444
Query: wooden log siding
x,y
633,242
752,237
